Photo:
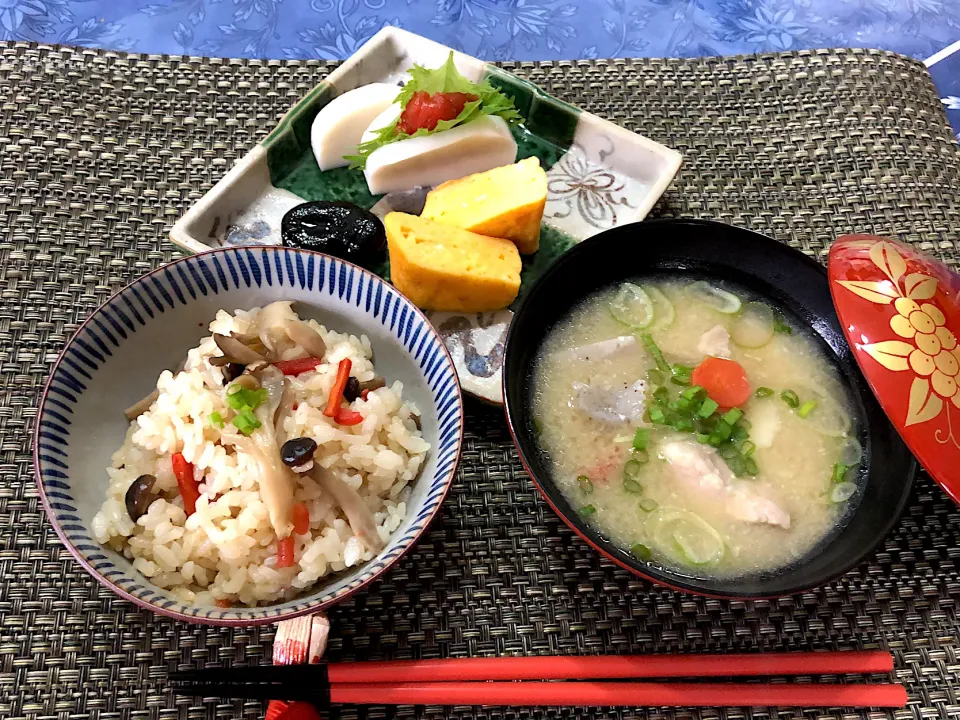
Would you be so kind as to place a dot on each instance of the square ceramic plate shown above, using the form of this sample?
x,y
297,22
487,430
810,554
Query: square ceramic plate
x,y
599,175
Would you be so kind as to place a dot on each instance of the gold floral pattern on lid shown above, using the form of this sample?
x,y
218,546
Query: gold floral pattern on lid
x,y
927,347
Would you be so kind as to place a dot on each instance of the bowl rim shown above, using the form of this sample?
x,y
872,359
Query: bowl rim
x,y
253,620
587,246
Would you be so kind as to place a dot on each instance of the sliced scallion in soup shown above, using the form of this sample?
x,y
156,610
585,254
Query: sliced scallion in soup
x,y
694,425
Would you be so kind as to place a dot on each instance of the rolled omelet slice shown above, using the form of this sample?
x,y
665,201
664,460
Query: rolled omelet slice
x,y
442,267
505,202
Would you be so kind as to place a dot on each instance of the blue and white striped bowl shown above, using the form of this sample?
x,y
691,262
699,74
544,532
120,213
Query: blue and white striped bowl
x,y
116,355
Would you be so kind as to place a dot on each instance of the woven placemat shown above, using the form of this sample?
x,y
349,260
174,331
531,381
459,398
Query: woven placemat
x,y
100,152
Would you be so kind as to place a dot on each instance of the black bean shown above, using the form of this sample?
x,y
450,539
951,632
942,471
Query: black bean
x,y
351,390
140,496
341,229
298,451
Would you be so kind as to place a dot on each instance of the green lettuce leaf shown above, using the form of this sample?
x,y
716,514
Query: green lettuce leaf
x,y
444,79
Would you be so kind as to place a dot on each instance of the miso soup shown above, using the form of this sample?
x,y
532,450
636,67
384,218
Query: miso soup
x,y
697,427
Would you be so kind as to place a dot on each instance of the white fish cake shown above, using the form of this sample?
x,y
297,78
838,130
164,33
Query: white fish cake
x,y
480,145
338,127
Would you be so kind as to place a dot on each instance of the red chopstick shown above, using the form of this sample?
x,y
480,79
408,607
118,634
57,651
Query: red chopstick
x,y
592,667
620,694
480,681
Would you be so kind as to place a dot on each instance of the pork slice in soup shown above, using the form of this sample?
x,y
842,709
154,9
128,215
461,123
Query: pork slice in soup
x,y
691,424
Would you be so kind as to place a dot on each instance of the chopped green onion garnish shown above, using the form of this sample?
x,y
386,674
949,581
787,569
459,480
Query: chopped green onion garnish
x,y
661,395
708,408
708,425
780,324
763,392
683,403
747,448
662,365
694,392
632,468
632,486
843,492
585,485
731,416
641,552
750,466
640,439
648,505
739,433
724,429
703,438
736,465
683,425
807,408
216,419
245,421
655,377
587,510
839,470
641,456
657,416
681,374
239,397
790,398
728,451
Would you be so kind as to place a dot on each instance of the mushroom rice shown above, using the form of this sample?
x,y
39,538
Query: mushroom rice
x,y
275,457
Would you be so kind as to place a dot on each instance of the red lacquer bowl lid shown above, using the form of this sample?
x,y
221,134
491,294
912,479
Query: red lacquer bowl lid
x,y
899,311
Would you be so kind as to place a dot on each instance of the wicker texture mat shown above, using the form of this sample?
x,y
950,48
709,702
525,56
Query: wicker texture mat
x,y
100,152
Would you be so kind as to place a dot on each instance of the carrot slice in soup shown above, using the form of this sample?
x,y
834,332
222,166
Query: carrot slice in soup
x,y
724,380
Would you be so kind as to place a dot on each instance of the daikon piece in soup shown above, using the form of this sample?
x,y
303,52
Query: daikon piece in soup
x,y
696,427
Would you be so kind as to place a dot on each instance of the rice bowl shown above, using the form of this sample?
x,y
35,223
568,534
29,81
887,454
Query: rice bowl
x,y
117,355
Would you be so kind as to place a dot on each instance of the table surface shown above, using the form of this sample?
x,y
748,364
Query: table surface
x,y
815,144
497,29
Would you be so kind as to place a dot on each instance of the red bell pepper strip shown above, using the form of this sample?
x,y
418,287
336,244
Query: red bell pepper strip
x,y
285,552
346,416
336,392
298,366
189,487
301,519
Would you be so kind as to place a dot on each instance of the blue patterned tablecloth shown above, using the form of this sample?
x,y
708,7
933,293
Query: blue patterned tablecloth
x,y
493,29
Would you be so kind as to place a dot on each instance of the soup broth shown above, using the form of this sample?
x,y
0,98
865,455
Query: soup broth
x,y
695,428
